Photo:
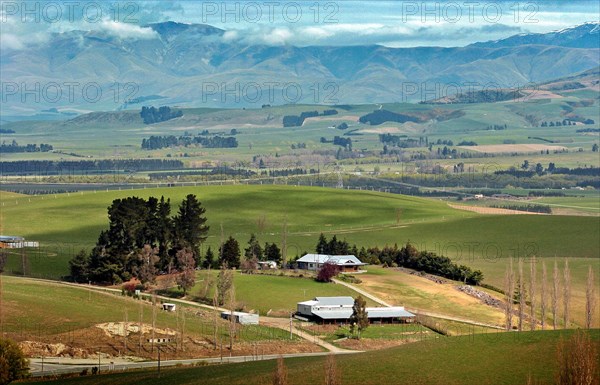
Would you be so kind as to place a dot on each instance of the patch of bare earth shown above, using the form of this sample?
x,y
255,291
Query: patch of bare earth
x,y
352,118
492,210
512,148
110,341
371,343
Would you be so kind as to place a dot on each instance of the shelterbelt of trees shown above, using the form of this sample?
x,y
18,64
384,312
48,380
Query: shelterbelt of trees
x,y
143,237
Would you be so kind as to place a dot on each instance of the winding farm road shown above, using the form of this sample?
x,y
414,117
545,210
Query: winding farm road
x,y
417,311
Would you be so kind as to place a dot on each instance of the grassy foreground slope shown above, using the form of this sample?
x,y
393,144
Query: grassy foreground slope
x,y
504,358
48,311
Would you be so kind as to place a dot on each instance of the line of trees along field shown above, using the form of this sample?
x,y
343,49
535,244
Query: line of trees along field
x,y
14,147
158,142
50,167
553,290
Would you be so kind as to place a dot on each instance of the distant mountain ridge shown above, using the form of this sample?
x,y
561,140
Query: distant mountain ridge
x,y
199,65
586,35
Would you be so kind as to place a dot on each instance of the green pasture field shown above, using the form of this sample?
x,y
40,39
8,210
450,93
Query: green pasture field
x,y
272,294
65,223
45,309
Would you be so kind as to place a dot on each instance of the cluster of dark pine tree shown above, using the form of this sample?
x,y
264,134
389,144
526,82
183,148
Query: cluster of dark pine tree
x,y
407,256
158,142
84,166
398,141
334,246
142,236
152,115
297,121
229,254
30,147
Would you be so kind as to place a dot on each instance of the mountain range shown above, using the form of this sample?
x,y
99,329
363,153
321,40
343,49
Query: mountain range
x,y
198,65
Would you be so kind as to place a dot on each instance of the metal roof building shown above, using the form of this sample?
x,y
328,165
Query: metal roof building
x,y
340,309
315,261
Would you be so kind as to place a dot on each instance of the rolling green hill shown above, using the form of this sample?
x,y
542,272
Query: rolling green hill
x,y
65,223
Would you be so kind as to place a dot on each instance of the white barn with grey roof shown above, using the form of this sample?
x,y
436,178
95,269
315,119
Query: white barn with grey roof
x,y
339,309
344,262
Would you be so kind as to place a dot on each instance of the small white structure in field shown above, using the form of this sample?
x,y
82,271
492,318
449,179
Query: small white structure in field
x,y
267,265
241,317
346,263
169,306
478,196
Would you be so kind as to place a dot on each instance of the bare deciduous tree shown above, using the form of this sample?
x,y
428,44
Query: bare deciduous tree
x,y
567,294
554,299
532,291
332,375
577,360
231,317
140,326
153,320
182,330
3,258
187,278
261,223
509,288
590,299
224,283
280,376
125,327
147,258
543,295
284,243
521,295
398,215
216,315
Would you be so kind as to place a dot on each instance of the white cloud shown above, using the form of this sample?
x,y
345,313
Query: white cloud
x,y
126,30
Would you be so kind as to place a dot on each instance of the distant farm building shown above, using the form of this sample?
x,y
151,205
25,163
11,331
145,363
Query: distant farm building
x,y
169,306
339,310
267,265
346,263
12,242
241,318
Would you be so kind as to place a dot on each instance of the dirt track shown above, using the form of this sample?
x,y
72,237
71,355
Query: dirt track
x,y
492,210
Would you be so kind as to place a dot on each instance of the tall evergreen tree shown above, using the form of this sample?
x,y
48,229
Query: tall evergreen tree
x,y
272,252
209,259
254,249
322,245
189,225
230,253
164,231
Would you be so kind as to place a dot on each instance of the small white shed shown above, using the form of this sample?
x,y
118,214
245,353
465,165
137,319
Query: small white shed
x,y
241,317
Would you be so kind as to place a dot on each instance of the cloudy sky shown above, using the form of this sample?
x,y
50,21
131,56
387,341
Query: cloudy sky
x,y
390,23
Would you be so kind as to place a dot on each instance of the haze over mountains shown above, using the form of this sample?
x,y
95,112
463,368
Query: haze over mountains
x,y
200,65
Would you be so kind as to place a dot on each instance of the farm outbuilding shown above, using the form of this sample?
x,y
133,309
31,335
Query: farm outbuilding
x,y
267,265
339,310
346,263
13,242
241,317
